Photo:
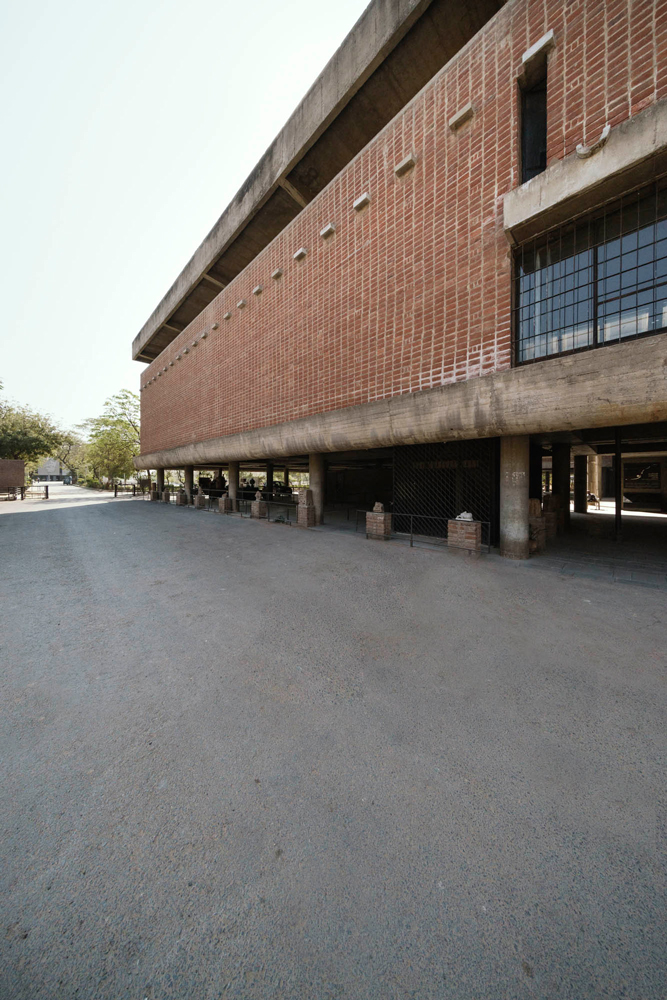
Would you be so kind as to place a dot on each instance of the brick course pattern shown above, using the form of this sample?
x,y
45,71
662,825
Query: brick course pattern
x,y
378,524
465,535
414,290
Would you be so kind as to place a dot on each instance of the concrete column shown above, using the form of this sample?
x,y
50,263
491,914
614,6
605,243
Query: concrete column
x,y
286,476
269,477
514,483
580,483
561,477
316,475
536,471
618,483
233,476
159,480
595,475
189,479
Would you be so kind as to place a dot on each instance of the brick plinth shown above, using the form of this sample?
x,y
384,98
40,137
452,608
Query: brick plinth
x,y
378,524
165,496
181,499
200,501
465,535
226,505
305,516
155,495
259,508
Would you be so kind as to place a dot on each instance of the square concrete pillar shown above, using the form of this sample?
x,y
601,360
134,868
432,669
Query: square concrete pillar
x,y
159,480
514,506
233,475
561,477
316,477
581,483
189,473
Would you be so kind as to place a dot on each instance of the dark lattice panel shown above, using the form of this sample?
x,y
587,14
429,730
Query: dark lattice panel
x,y
443,480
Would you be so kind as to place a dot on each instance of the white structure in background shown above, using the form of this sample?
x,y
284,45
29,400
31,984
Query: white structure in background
x,y
53,471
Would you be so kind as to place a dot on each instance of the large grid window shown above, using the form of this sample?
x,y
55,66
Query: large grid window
x,y
597,281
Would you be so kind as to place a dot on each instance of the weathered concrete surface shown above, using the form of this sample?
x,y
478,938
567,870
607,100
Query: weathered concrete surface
x,y
634,153
615,385
241,760
378,29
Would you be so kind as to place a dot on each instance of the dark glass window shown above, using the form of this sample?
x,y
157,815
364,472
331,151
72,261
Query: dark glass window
x,y
594,282
533,130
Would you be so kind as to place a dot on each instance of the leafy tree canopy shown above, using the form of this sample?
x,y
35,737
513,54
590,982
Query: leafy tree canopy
x,y
114,437
27,435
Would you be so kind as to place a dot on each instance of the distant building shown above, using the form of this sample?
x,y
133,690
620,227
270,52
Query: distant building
x,y
445,283
51,470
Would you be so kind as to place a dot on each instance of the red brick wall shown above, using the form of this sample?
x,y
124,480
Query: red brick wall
x,y
414,291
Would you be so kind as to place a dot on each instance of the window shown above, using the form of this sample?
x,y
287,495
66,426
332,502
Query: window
x,y
596,281
534,130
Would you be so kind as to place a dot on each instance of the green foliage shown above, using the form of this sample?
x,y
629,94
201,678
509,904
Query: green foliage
x,y
27,435
114,438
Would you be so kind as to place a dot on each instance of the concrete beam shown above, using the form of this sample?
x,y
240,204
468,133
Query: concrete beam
x,y
613,385
379,29
635,152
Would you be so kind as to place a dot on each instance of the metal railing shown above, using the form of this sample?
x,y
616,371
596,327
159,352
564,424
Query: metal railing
x,y
24,492
127,488
40,492
424,529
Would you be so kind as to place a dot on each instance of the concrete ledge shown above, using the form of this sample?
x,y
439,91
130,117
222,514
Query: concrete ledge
x,y
613,385
635,152
379,29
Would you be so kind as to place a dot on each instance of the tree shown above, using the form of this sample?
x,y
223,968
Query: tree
x,y
27,435
72,454
114,437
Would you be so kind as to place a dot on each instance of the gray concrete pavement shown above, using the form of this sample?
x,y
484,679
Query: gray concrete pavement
x,y
243,760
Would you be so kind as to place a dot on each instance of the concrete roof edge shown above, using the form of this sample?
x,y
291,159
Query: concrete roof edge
x,y
377,32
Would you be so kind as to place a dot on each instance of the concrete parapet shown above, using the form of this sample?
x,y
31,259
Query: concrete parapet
x,y
464,535
378,523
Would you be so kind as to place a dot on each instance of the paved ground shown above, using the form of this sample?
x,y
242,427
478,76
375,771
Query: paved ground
x,y
241,760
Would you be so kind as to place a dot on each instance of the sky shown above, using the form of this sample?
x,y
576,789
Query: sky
x,y
127,127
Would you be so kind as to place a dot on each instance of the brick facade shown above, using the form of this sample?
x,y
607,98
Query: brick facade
x,y
414,290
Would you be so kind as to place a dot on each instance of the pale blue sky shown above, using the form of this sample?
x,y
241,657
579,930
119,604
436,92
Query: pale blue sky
x,y
126,129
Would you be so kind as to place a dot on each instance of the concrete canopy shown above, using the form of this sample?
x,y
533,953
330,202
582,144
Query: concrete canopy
x,y
394,49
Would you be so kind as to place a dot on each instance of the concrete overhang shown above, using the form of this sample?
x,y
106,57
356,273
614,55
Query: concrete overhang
x,y
394,49
617,384
634,153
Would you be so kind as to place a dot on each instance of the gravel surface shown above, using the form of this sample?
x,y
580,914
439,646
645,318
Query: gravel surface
x,y
244,760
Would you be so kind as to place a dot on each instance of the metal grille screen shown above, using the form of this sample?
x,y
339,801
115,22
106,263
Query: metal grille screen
x,y
440,481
